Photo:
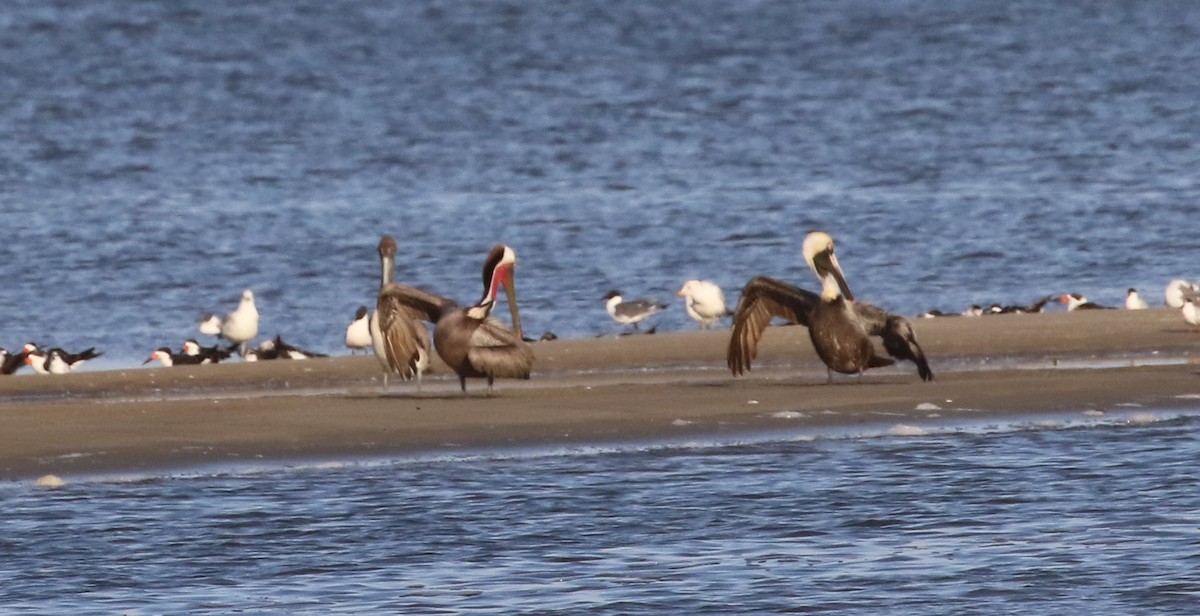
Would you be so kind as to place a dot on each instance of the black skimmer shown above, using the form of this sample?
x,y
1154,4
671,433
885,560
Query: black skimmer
x,y
278,349
1191,312
207,355
59,361
704,302
1133,301
11,362
974,310
630,312
169,359
1033,308
1076,301
399,339
839,327
472,342
358,333
35,358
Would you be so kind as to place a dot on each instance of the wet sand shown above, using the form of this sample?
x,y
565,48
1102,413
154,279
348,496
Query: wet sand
x,y
602,390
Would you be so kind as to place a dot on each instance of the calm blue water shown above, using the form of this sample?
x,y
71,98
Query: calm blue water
x,y
1069,518
158,157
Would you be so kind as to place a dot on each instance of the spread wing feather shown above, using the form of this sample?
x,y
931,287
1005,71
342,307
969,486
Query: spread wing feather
x,y
763,299
401,309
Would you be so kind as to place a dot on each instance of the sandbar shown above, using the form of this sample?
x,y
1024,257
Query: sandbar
x,y
638,388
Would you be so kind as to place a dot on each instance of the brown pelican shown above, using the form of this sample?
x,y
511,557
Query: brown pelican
x,y
399,339
839,327
471,342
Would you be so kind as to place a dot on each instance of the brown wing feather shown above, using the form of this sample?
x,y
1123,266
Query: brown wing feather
x,y
897,335
401,309
763,299
496,350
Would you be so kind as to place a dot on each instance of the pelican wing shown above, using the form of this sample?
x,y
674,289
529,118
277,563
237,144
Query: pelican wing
x,y
762,299
496,350
400,311
897,335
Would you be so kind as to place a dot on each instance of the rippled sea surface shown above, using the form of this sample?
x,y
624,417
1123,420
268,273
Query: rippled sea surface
x,y
1062,518
158,157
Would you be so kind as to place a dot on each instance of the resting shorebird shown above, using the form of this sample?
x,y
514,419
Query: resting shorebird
x,y
11,362
1133,301
58,361
358,333
704,302
1075,301
631,312
169,359
839,327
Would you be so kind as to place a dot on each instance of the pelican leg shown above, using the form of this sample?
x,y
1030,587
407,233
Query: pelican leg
x,y
828,376
490,379
462,382
383,390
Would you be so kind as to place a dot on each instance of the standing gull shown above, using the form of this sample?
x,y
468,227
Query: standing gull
x,y
631,312
704,302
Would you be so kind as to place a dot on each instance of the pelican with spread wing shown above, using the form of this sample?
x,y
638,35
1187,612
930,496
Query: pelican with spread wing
x,y
472,342
840,327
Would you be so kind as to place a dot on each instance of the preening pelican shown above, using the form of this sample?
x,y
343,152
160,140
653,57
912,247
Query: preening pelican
x,y
399,339
472,342
839,327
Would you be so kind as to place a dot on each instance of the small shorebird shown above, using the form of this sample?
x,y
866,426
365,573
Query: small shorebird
x,y
35,358
704,302
1033,308
1133,301
241,325
207,355
58,361
168,359
1191,312
839,327
469,340
11,362
278,349
631,312
1076,301
358,333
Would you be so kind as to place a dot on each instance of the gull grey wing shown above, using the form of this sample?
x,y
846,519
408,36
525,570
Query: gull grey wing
x,y
762,299
636,307
897,335
498,351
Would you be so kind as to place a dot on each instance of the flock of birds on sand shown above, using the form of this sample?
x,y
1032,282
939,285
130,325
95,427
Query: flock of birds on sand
x,y
476,345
